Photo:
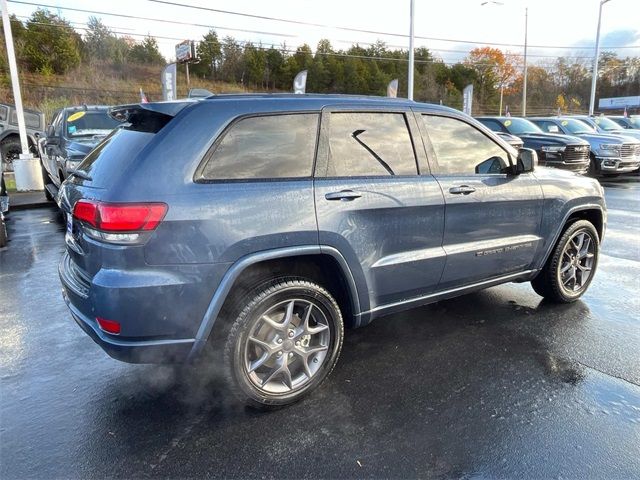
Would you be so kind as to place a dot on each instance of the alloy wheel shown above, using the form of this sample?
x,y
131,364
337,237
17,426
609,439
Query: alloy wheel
x,y
286,346
577,261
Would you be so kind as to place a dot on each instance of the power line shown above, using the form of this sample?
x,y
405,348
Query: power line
x,y
351,29
161,20
296,22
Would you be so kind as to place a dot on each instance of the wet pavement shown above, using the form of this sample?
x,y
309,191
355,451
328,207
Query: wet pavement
x,y
493,384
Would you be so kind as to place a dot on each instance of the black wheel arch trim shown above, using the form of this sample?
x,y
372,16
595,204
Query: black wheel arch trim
x,y
236,269
563,224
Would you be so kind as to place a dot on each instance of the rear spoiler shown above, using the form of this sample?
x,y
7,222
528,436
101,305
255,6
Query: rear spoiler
x,y
148,117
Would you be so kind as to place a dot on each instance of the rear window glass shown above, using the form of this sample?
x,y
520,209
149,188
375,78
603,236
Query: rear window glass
x,y
119,146
274,146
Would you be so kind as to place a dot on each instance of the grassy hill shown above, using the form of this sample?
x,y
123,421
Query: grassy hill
x,y
101,84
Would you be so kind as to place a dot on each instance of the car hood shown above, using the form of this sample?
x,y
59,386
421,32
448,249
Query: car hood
x,y
603,138
552,139
626,133
81,147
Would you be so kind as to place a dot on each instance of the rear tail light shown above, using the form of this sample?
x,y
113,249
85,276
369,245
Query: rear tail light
x,y
109,326
118,222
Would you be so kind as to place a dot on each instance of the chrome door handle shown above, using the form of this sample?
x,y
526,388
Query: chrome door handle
x,y
462,189
344,195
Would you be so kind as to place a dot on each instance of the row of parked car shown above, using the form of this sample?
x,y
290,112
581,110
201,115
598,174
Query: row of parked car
x,y
598,145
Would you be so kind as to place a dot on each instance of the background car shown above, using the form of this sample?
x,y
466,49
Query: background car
x,y
10,146
603,124
72,134
559,151
609,154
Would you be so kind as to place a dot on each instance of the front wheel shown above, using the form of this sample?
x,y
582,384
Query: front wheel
x,y
284,342
571,266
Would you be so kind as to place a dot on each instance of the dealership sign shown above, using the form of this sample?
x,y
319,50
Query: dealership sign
x,y
185,51
619,102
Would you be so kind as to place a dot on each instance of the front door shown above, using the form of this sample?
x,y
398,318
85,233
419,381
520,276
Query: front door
x,y
374,206
492,218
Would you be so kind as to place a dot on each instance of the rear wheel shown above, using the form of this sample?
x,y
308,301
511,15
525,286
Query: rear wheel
x,y
571,266
284,342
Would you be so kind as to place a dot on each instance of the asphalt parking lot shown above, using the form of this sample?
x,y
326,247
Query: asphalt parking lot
x,y
493,384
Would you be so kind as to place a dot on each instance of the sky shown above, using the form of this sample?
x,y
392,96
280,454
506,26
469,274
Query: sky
x,y
467,23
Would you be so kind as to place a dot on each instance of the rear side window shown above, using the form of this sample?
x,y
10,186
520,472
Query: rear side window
x,y
273,146
370,144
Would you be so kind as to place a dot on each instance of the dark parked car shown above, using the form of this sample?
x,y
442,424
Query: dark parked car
x,y
73,132
559,151
629,123
610,154
253,227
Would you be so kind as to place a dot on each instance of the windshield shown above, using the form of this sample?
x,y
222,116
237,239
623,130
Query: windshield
x,y
576,126
518,126
90,123
607,124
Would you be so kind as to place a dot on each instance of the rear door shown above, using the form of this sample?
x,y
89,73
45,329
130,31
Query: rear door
x,y
374,206
492,218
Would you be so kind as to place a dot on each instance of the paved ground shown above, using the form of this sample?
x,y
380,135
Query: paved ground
x,y
494,384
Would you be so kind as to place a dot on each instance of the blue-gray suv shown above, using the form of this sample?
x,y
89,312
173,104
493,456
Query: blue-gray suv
x,y
253,228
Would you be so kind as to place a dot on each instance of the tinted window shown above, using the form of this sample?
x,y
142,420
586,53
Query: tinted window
x,y
519,126
3,113
277,146
491,124
461,149
370,144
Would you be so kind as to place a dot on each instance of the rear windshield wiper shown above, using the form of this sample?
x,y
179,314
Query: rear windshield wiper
x,y
80,174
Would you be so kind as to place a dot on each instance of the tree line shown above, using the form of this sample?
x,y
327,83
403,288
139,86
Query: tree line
x,y
48,44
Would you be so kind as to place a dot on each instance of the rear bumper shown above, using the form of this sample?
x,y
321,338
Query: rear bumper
x,y
138,351
158,322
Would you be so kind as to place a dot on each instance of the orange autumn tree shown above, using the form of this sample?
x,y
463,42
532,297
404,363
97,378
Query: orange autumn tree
x,y
494,70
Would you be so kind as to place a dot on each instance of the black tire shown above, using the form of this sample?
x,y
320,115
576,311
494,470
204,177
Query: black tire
x,y
284,346
11,149
3,233
593,170
46,181
548,282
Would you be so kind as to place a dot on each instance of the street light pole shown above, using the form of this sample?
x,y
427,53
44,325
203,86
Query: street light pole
x,y
594,73
25,168
15,82
524,83
410,73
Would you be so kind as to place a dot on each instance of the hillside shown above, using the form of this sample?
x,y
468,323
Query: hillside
x,y
99,83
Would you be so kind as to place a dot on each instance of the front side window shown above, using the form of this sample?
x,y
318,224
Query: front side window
x,y
461,149
275,146
363,144
493,125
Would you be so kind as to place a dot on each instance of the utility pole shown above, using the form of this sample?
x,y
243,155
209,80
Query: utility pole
x,y
594,73
26,168
411,61
524,82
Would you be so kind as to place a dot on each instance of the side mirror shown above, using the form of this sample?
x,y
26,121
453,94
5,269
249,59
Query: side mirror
x,y
50,131
52,141
527,161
